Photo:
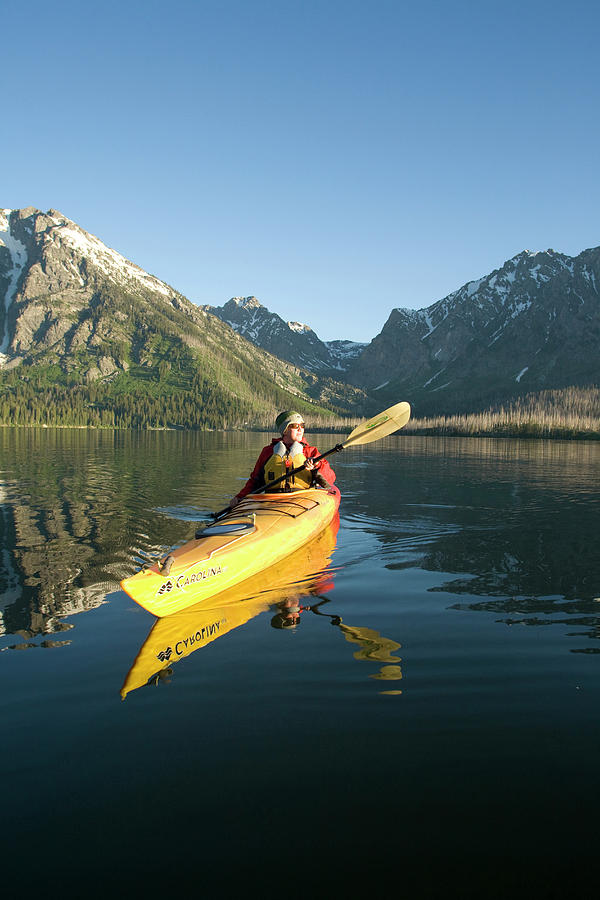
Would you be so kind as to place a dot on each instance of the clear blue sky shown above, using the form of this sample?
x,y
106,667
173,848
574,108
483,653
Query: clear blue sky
x,y
335,159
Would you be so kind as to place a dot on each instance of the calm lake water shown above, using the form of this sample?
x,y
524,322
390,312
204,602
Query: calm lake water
x,y
431,725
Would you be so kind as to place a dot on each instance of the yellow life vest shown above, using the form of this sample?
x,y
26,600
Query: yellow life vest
x,y
285,462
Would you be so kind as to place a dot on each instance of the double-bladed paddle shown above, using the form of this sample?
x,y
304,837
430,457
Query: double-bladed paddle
x,y
374,429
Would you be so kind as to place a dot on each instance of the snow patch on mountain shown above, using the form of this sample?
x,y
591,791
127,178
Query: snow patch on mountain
x,y
247,302
590,277
343,352
18,256
473,287
537,275
111,263
298,327
433,377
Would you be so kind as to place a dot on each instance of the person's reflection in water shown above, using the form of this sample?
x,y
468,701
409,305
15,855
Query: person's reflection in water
x,y
290,608
289,614
373,646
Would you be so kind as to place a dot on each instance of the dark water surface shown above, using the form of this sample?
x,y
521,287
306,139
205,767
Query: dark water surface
x,y
430,727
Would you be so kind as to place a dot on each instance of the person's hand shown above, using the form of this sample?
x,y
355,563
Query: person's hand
x,y
310,465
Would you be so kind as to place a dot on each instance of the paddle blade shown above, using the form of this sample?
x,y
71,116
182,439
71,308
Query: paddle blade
x,y
381,425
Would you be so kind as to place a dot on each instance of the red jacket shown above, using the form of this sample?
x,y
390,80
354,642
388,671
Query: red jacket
x,y
257,479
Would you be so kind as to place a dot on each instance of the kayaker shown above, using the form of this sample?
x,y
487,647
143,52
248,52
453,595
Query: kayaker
x,y
289,450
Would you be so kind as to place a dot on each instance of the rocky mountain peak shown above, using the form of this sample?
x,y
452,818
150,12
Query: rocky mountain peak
x,y
532,324
49,269
294,342
246,303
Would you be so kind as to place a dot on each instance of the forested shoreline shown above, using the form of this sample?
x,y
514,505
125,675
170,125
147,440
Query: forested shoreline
x,y
571,413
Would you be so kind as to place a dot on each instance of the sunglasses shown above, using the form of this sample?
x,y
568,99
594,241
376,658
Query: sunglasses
x,y
297,425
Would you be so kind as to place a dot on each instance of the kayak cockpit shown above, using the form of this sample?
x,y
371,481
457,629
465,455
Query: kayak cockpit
x,y
226,528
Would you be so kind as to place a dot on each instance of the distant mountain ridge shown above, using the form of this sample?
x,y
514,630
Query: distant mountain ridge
x,y
531,325
293,341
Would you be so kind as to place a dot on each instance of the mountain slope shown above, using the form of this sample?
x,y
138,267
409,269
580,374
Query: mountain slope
x,y
531,325
78,317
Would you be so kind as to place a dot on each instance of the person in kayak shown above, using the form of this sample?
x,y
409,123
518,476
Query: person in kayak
x,y
287,453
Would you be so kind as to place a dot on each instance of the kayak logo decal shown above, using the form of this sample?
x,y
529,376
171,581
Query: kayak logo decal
x,y
203,634
183,581
196,577
187,644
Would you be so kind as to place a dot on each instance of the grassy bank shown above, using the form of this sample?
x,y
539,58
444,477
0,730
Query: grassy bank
x,y
572,413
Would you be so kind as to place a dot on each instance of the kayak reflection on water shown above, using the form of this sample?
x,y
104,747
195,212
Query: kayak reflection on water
x,y
173,637
176,636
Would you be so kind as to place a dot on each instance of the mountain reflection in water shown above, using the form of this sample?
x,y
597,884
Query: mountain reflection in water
x,y
529,514
79,511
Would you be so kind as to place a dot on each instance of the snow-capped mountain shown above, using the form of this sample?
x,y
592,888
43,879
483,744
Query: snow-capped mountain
x,y
50,269
293,341
531,325
74,313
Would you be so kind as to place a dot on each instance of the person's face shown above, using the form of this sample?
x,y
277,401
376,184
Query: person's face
x,y
296,432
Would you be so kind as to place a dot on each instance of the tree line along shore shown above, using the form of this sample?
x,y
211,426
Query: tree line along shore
x,y
569,413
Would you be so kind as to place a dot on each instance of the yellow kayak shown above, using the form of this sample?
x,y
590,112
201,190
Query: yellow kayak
x,y
170,639
262,530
